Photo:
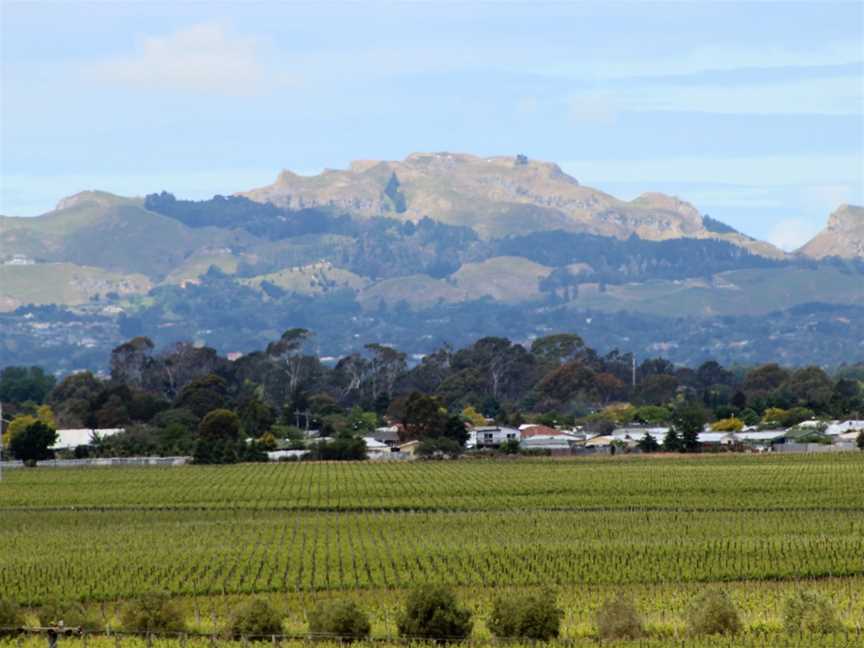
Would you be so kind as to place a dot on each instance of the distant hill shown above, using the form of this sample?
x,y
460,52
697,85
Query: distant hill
x,y
495,196
843,237
436,247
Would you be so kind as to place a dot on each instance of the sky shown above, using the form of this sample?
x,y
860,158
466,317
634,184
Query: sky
x,y
753,112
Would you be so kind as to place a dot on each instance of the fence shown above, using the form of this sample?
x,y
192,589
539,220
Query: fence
x,y
104,461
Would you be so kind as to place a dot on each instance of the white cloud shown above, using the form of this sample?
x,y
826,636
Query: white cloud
x,y
202,58
792,233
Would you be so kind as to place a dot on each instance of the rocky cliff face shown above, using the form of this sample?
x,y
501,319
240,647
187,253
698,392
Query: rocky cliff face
x,y
843,237
496,196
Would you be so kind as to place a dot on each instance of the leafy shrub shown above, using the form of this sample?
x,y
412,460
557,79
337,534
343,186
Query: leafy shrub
x,y
255,618
618,618
342,619
529,616
152,613
72,614
432,612
10,614
713,613
809,612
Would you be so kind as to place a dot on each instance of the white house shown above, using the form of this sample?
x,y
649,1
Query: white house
x,y
836,428
491,436
72,438
376,449
718,438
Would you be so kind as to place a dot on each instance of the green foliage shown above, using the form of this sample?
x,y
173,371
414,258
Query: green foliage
x,y
713,612
73,614
732,424
618,619
21,384
859,441
510,446
432,612
648,444
10,614
31,444
652,414
254,618
342,619
439,447
154,612
533,616
344,448
809,612
218,438
688,420
672,442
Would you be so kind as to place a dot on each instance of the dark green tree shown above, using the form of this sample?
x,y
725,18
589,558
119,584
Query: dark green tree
x,y
433,613
534,616
342,620
671,442
33,442
218,438
689,420
648,444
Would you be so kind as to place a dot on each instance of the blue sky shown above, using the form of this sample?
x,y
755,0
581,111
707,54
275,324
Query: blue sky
x,y
752,111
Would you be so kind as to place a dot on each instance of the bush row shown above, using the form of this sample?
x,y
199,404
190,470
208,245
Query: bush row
x,y
433,612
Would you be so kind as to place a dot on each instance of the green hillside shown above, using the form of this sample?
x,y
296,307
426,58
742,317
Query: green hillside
x,y
62,283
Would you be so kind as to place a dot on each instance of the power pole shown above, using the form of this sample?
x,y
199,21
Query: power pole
x,y
633,370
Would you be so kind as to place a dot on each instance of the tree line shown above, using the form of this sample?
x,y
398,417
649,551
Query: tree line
x,y
188,399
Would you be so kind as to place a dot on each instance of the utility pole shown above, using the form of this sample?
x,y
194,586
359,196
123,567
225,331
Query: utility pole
x,y
633,369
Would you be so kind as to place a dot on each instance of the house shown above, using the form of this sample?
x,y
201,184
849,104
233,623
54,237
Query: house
x,y
286,455
72,438
409,449
718,438
376,449
836,428
528,430
632,435
388,435
491,436
599,441
553,443
761,439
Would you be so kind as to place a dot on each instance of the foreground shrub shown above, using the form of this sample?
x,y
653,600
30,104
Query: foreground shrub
x,y
255,618
10,614
339,619
432,612
809,612
527,616
152,613
713,613
618,618
72,614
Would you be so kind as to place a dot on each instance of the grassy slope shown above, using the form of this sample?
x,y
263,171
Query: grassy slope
x,y
750,292
314,279
62,283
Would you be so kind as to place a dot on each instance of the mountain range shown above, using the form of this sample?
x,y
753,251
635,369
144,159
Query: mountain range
x,y
411,239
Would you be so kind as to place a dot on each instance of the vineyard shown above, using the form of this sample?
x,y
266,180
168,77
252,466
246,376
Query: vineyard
x,y
661,529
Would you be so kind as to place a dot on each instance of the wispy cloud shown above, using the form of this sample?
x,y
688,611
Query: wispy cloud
x,y
202,58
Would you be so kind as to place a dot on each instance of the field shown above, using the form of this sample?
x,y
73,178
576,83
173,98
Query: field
x,y
661,529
